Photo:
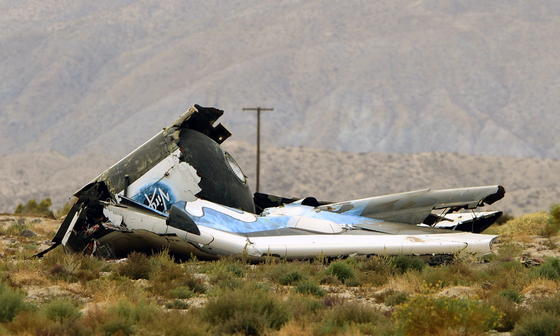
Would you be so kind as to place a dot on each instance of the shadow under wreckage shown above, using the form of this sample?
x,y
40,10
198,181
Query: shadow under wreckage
x,y
182,193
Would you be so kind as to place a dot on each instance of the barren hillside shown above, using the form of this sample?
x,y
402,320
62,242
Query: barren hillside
x,y
531,184
472,77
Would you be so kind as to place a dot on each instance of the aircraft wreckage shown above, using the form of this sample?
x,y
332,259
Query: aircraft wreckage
x,y
182,193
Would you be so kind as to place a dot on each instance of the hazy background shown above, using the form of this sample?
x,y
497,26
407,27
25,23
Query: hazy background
x,y
363,91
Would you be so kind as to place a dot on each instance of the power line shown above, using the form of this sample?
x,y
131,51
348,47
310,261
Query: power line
x,y
258,110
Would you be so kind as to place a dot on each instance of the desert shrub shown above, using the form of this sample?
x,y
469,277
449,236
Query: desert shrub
x,y
290,278
117,326
354,281
309,287
530,224
288,273
508,252
235,269
375,270
54,257
341,270
510,313
175,323
72,267
448,275
35,209
382,264
133,311
35,323
512,295
333,300
553,224
305,307
137,266
17,228
555,213
246,311
225,280
195,284
166,274
181,292
177,304
348,315
225,273
425,315
538,325
11,302
549,305
59,310
501,275
541,318
550,269
329,279
405,263
353,313
123,317
396,298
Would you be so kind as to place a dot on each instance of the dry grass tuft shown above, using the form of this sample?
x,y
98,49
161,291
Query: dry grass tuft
x,y
294,328
26,277
539,288
525,225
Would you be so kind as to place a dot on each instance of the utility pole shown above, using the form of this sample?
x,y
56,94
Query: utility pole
x,y
258,109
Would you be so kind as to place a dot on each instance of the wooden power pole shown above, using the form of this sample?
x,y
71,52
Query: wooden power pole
x,y
258,110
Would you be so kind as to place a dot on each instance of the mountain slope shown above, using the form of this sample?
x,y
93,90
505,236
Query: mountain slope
x,y
472,77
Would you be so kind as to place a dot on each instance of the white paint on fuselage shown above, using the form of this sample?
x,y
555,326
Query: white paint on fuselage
x,y
196,208
180,177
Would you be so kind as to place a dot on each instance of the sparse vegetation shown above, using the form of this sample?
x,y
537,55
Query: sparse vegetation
x,y
426,315
550,269
291,278
348,316
540,223
553,225
512,295
72,294
309,287
32,208
11,302
249,311
396,298
341,270
538,325
136,267
60,310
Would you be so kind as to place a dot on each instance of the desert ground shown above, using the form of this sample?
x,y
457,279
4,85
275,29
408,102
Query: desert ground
x,y
513,291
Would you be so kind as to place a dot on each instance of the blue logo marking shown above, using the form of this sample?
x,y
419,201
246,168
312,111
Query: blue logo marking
x,y
157,196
